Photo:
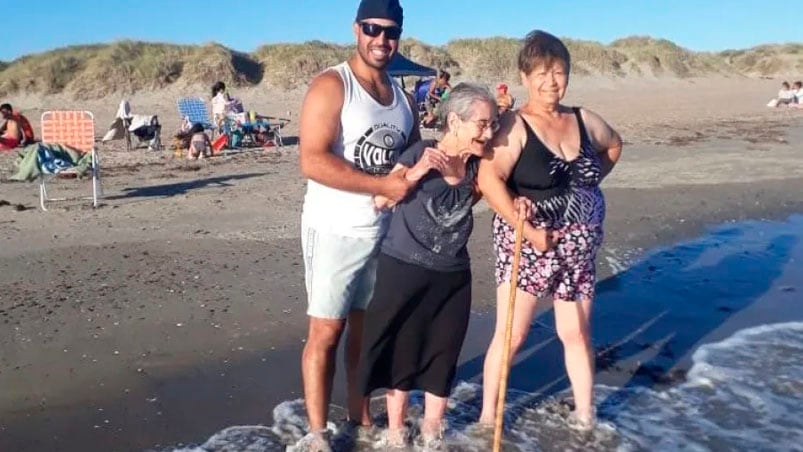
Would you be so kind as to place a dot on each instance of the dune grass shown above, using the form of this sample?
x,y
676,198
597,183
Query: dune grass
x,y
489,59
428,55
92,71
48,72
665,58
129,66
291,65
589,57
766,60
212,62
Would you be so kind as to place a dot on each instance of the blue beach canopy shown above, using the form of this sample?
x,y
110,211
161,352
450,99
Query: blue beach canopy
x,y
401,66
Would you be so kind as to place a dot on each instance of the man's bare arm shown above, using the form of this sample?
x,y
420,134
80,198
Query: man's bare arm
x,y
319,129
382,202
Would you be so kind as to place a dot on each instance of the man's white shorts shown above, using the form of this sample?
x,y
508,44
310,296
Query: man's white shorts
x,y
340,272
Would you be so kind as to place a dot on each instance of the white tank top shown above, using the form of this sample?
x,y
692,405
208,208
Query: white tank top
x,y
371,138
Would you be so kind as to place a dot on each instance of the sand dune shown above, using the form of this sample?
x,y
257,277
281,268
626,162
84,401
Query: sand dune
x,y
95,71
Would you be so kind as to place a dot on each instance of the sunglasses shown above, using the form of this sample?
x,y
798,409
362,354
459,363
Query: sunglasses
x,y
392,32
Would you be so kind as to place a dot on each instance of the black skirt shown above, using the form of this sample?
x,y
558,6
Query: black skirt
x,y
414,328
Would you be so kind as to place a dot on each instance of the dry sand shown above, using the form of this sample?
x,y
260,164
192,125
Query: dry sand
x,y
177,308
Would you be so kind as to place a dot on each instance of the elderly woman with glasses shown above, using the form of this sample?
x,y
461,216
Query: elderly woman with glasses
x,y
556,156
417,319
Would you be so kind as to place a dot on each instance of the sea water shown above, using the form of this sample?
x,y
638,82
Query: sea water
x,y
743,393
743,390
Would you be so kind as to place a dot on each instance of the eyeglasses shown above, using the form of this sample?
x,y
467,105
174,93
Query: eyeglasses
x,y
485,124
392,32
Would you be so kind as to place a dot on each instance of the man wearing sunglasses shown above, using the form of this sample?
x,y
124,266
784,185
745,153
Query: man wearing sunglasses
x,y
355,121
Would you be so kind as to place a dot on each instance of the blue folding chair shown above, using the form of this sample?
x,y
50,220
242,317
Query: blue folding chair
x,y
194,110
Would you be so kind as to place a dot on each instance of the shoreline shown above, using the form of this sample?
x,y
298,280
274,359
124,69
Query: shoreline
x,y
156,401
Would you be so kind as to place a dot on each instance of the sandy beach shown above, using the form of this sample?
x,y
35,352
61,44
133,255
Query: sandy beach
x,y
177,308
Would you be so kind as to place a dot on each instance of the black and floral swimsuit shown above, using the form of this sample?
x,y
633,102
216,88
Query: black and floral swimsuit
x,y
568,199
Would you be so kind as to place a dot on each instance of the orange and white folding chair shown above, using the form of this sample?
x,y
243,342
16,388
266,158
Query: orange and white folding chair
x,y
77,130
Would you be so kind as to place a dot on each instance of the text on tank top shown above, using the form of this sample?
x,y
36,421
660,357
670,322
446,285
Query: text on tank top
x,y
385,131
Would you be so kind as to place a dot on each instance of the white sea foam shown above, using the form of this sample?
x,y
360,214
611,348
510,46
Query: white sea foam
x,y
744,393
619,260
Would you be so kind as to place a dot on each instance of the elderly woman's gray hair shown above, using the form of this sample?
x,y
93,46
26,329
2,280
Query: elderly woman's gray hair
x,y
461,101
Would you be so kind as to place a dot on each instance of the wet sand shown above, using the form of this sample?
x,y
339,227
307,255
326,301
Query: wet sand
x,y
177,309
155,360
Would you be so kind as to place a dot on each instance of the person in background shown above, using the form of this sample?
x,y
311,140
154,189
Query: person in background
x,y
10,131
200,145
438,91
786,96
504,100
797,88
223,103
440,86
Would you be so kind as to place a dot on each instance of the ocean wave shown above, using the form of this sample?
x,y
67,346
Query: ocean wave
x,y
743,393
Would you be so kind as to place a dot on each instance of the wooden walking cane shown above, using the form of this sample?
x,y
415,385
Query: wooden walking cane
x,y
511,304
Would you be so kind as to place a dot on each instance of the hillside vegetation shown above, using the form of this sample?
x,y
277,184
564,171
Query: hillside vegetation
x,y
93,71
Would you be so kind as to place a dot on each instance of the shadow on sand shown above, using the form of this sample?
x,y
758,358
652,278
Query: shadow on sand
x,y
180,188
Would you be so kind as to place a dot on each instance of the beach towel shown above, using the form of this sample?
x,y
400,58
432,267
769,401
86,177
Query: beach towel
x,y
8,143
123,110
43,158
117,127
116,130
144,127
138,121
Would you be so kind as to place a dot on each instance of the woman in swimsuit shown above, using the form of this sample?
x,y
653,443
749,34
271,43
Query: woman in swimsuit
x,y
555,156
200,145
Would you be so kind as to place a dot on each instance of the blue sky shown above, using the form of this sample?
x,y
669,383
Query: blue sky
x,y
246,24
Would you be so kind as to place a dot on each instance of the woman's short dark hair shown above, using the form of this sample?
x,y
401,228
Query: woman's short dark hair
x,y
540,48
218,87
785,85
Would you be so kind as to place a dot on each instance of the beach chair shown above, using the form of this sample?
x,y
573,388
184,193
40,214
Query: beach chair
x,y
193,109
273,129
256,131
420,91
75,129
145,128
